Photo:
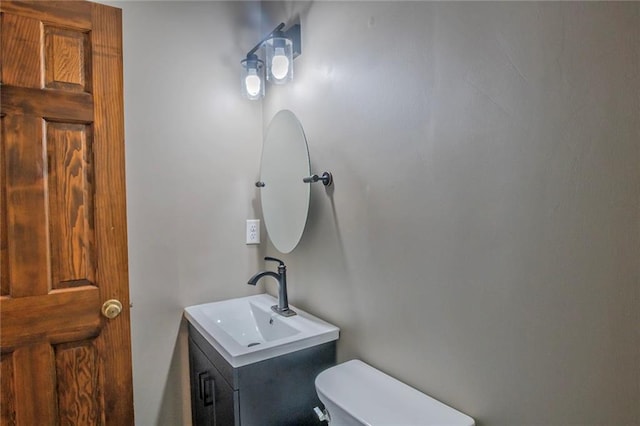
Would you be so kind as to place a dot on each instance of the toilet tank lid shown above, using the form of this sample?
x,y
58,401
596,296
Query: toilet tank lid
x,y
374,398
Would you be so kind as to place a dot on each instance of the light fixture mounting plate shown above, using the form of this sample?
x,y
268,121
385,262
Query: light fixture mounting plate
x,y
293,34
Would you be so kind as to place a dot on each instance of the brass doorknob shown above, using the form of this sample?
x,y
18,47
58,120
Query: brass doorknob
x,y
111,308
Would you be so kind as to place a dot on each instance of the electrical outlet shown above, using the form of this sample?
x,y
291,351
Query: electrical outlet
x,y
253,231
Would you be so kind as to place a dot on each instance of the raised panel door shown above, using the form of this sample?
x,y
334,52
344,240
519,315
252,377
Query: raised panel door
x,y
63,246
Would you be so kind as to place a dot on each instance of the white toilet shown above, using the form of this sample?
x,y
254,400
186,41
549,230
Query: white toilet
x,y
356,394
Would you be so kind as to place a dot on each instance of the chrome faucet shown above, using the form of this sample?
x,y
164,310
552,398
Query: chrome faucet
x,y
282,307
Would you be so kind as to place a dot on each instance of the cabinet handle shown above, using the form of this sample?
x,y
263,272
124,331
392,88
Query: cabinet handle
x,y
206,388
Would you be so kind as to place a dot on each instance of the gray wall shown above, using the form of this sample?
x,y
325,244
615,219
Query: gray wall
x,y
481,242
193,153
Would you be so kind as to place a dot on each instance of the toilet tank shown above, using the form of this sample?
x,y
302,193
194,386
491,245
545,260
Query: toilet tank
x,y
354,393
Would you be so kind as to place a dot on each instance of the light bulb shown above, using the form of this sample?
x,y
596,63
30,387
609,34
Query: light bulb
x,y
252,83
279,64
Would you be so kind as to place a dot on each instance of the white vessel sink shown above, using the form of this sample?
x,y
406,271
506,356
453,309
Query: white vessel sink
x,y
246,330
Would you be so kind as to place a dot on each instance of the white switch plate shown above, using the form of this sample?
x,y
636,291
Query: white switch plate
x,y
253,231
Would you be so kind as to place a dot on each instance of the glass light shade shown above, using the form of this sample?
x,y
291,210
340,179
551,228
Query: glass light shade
x,y
279,57
252,78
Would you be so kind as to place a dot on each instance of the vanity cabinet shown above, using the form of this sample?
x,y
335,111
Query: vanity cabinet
x,y
278,391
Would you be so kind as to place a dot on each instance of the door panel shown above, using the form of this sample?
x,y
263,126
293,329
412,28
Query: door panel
x,y
79,401
62,213
73,72
70,198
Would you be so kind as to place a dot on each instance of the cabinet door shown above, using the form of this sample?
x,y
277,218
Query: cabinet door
x,y
211,395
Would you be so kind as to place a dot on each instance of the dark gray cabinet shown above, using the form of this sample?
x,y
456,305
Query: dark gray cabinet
x,y
278,391
211,396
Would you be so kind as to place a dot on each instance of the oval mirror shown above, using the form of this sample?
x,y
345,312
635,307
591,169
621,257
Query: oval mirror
x,y
284,196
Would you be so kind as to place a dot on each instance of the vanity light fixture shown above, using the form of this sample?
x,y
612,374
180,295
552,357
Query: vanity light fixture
x,y
281,47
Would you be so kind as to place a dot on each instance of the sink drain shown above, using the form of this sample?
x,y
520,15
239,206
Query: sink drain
x,y
253,344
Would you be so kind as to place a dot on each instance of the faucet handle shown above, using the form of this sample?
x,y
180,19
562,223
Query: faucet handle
x,y
273,259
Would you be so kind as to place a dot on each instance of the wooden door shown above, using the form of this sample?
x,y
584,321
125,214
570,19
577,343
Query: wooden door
x,y
62,217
